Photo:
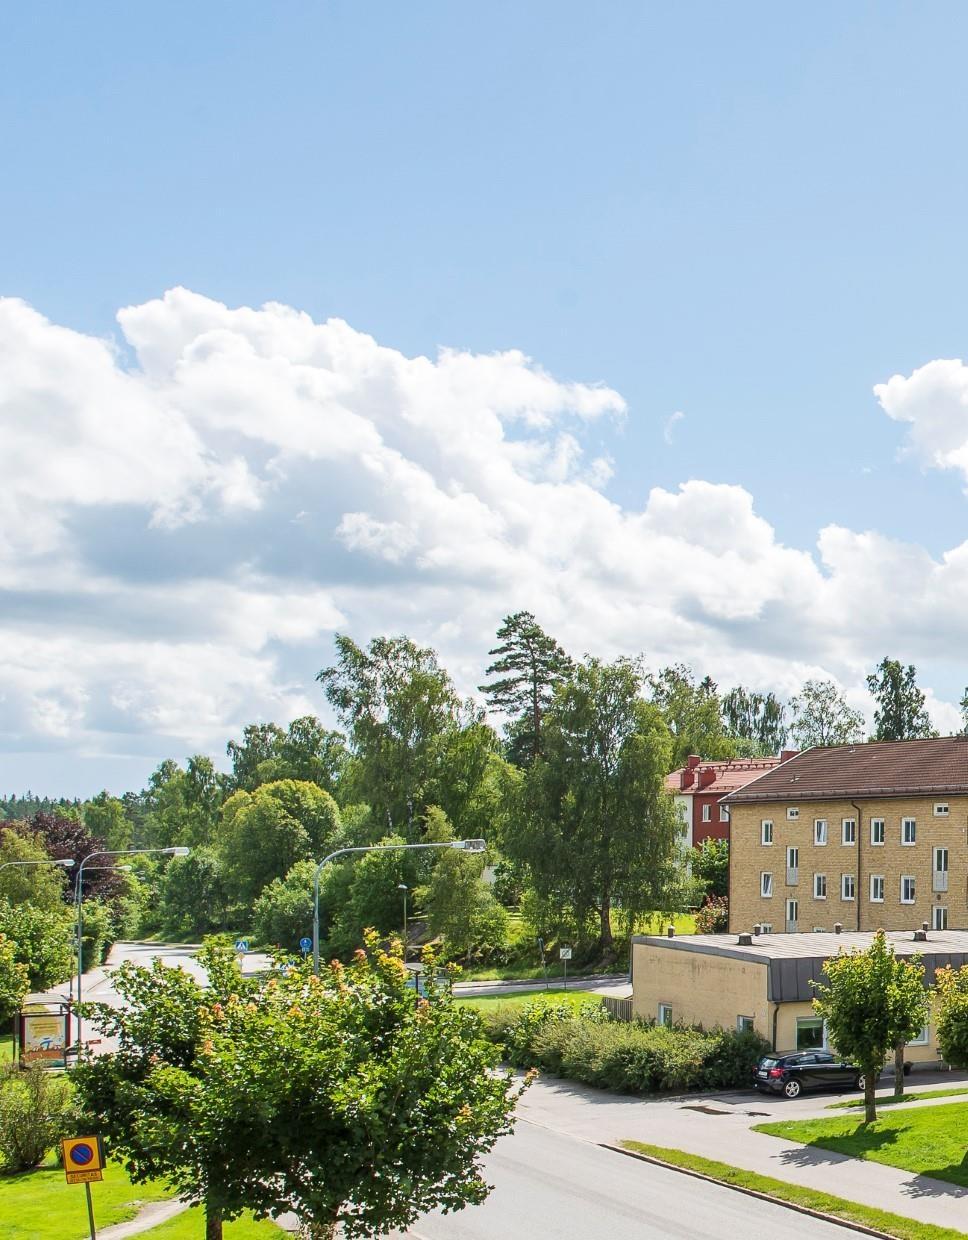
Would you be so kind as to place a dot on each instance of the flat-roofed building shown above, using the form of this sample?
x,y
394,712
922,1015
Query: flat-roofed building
x,y
762,981
869,835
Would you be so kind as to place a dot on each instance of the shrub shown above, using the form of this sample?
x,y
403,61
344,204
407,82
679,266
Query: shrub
x,y
633,1057
713,917
36,1111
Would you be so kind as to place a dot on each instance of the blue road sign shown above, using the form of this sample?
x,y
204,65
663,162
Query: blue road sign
x,y
241,945
305,945
82,1154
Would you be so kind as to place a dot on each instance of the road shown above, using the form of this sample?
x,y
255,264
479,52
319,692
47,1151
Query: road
x,y
556,1187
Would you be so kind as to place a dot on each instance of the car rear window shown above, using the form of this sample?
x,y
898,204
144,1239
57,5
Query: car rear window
x,y
769,1063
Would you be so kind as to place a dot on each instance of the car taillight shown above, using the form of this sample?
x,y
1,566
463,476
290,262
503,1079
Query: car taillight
x,y
776,1072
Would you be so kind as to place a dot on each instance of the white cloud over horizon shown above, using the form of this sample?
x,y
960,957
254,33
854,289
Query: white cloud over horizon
x,y
181,537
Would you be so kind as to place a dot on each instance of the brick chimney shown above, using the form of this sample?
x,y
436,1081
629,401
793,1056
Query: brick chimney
x,y
787,754
692,761
686,778
707,776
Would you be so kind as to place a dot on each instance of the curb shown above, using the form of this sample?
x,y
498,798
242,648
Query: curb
x,y
750,1192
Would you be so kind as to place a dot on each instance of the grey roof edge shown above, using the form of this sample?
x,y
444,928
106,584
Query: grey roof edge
x,y
839,794
681,943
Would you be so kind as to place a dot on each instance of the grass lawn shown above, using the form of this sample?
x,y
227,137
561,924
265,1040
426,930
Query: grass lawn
x,y
41,1205
927,1141
6,1047
519,998
190,1225
891,1101
781,1190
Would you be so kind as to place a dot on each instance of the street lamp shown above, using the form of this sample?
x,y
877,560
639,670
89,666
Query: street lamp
x,y
77,895
104,852
404,888
474,846
65,863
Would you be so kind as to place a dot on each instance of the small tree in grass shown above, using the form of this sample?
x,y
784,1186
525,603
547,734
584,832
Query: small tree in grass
x,y
343,1098
953,1015
872,1002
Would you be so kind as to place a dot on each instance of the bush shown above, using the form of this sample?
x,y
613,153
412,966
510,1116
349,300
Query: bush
x,y
42,938
36,1111
633,1057
713,917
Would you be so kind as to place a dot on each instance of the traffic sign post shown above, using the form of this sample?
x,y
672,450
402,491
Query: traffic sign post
x,y
564,955
84,1164
305,946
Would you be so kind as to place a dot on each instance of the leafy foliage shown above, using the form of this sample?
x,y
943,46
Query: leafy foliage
x,y
36,1111
693,714
44,886
900,714
460,907
14,979
952,1025
710,865
713,916
821,716
42,940
757,717
305,751
106,819
193,898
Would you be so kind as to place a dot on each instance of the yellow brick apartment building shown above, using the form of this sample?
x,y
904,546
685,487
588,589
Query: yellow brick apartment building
x,y
858,836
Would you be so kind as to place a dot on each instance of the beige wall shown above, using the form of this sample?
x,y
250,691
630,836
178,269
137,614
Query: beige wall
x,y
702,989
786,1034
749,858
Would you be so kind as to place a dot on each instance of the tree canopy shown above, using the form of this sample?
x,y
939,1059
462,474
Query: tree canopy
x,y
900,714
821,716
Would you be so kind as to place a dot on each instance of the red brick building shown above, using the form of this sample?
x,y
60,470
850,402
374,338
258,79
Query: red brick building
x,y
698,785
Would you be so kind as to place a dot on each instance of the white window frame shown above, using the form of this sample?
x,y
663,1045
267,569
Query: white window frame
x,y
820,832
766,927
766,832
724,813
913,824
941,809
844,880
707,813
665,1015
923,1038
909,878
793,813
877,878
745,1024
939,908
796,905
820,886
848,832
878,828
766,884
939,869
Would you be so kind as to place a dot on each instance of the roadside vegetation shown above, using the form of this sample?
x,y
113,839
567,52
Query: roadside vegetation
x,y
889,1101
808,1198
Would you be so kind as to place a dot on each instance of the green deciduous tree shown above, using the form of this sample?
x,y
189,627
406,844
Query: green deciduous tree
x,y
594,824
306,750
872,1002
528,665
264,833
193,898
42,940
182,805
710,865
952,1023
900,714
821,716
43,886
14,979
693,714
756,717
460,906
105,817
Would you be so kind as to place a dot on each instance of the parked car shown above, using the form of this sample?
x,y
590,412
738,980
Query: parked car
x,y
790,1074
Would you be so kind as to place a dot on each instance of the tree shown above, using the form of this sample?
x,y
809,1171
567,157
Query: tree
x,y
952,1023
372,896
595,826
68,837
264,833
382,1112
283,913
42,941
900,713
306,751
530,665
183,805
42,885
692,712
192,897
14,980
106,819
710,865
757,717
872,1002
821,716
414,743
460,906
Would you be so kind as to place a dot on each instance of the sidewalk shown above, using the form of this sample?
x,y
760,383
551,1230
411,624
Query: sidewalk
x,y
719,1127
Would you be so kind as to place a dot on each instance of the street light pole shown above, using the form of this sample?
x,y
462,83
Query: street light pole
x,y
65,863
475,846
104,852
404,888
117,869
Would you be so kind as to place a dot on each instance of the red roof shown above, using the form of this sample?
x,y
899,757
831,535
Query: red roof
x,y
730,775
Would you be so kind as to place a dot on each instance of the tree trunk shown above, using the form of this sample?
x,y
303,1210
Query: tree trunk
x,y
605,933
315,1230
899,1070
870,1109
213,1224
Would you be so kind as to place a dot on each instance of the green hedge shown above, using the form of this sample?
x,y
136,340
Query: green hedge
x,y
633,1057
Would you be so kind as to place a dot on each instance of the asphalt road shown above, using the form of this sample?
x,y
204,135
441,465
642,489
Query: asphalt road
x,y
554,1187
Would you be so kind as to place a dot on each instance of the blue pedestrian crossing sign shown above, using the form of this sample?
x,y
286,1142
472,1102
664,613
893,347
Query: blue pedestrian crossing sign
x,y
305,945
241,945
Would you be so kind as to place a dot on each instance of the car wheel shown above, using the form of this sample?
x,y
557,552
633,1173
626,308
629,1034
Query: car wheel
x,y
792,1089
861,1082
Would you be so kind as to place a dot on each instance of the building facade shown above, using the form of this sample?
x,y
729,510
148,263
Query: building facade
x,y
865,836
699,788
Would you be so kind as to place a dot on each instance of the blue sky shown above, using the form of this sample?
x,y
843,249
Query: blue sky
x,y
747,214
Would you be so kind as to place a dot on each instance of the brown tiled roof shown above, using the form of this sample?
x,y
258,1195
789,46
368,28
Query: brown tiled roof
x,y
878,768
730,774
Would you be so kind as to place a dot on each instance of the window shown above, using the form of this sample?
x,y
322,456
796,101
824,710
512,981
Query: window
x,y
877,888
939,918
820,831
744,1024
810,1033
941,809
792,911
766,831
907,889
847,888
665,1014
707,813
848,831
766,885
724,813
909,831
820,886
877,831
792,866
921,1039
766,927
792,813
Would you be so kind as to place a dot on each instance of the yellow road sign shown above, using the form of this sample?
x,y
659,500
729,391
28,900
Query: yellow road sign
x,y
84,1177
83,1159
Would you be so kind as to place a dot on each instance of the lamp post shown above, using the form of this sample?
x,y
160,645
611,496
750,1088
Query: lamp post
x,y
104,852
65,863
77,893
404,888
475,846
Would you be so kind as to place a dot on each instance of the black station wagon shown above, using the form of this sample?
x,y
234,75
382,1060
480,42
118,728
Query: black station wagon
x,y
793,1073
